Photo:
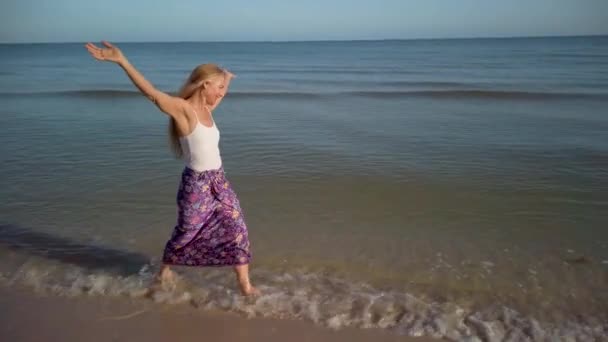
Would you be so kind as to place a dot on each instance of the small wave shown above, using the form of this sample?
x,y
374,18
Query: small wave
x,y
480,94
321,299
96,93
433,84
86,93
397,94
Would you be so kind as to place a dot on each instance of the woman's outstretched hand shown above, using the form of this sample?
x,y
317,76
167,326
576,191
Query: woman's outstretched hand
x,y
110,53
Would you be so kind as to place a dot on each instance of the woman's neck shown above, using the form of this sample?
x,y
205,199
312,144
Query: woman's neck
x,y
199,104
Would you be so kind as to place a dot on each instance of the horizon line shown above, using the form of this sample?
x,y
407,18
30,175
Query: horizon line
x,y
316,40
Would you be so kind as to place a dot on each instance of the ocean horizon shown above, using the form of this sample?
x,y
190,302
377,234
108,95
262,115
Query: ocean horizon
x,y
324,40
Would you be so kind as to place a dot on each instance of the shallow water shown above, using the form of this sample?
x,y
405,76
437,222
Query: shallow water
x,y
446,187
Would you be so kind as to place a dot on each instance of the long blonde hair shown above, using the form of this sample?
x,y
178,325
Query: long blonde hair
x,y
196,80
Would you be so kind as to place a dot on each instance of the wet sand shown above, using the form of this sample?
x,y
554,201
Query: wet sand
x,y
28,316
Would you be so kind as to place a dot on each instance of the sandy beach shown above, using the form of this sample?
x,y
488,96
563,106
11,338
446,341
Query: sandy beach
x,y
29,316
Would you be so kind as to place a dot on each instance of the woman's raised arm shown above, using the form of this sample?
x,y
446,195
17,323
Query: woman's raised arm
x,y
171,105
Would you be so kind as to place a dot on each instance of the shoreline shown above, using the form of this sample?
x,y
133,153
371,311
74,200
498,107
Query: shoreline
x,y
97,318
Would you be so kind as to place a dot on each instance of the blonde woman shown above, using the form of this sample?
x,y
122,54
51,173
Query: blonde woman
x,y
210,228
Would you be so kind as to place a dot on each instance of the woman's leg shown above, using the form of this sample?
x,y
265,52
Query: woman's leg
x,y
242,277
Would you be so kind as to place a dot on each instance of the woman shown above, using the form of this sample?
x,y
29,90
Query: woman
x,y
210,228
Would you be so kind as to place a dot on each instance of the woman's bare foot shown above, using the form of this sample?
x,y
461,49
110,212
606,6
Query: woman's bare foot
x,y
165,280
167,276
250,291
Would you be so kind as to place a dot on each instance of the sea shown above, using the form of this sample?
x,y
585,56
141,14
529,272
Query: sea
x,y
450,188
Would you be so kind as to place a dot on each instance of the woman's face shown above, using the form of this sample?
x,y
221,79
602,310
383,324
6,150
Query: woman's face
x,y
215,88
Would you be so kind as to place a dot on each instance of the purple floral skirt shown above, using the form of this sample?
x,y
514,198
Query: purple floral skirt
x,y
210,228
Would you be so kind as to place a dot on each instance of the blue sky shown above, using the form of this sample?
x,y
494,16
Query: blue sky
x,y
289,20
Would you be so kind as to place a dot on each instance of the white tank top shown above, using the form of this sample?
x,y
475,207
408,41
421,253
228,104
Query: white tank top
x,y
201,147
